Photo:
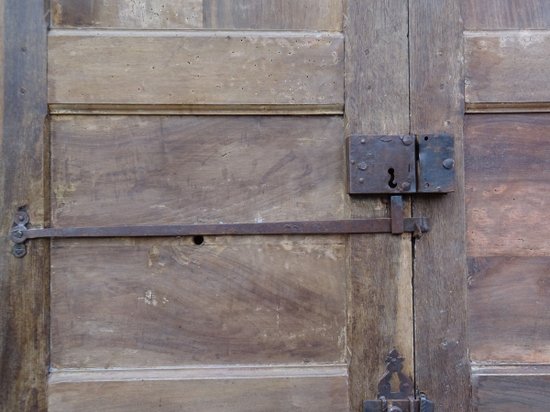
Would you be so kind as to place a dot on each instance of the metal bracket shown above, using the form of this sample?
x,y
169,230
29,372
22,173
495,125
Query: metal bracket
x,y
402,400
398,164
395,224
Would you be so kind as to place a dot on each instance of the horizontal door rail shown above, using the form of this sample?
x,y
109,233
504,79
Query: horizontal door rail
x,y
396,224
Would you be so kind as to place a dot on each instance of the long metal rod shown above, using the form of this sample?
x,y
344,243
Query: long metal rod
x,y
356,226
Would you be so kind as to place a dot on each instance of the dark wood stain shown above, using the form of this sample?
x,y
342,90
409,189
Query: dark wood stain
x,y
24,283
511,393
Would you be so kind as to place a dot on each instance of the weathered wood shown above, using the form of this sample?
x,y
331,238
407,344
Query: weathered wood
x,y
441,361
181,67
507,184
109,171
244,390
506,14
163,302
511,389
325,15
274,14
508,309
23,283
135,14
508,66
380,292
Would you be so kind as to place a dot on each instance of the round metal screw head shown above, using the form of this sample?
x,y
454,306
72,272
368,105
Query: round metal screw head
x,y
21,218
448,163
407,140
362,166
361,180
405,186
19,250
363,141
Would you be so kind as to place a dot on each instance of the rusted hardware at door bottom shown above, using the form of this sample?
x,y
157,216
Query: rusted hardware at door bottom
x,y
402,400
396,224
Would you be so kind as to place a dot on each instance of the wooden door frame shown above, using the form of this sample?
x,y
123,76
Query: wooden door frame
x,y
435,101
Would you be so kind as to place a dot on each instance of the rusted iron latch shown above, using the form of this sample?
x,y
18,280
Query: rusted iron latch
x,y
395,224
405,164
402,400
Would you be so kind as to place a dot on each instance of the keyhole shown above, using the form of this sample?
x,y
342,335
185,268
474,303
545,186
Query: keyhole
x,y
392,183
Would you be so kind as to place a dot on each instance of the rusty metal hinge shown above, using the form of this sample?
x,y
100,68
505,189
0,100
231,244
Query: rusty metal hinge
x,y
402,400
405,164
397,223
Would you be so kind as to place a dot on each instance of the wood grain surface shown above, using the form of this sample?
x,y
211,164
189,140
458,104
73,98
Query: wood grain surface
x,y
437,105
194,14
507,66
166,302
509,389
109,171
507,184
252,393
380,288
506,14
508,309
174,67
24,283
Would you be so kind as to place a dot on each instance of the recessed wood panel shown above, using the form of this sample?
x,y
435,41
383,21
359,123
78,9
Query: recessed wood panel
x,y
252,394
510,391
274,14
509,319
506,14
194,14
110,170
507,66
162,302
195,68
507,184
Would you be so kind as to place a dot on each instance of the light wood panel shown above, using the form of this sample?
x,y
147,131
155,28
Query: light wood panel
x,y
194,14
323,394
24,283
437,105
149,170
380,288
507,66
506,14
508,309
162,302
188,68
509,389
507,184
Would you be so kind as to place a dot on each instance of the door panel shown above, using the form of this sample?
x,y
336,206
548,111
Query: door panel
x,y
133,170
507,193
229,300
326,392
214,68
324,15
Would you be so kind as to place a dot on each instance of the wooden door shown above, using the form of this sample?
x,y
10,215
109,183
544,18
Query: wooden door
x,y
507,130
223,111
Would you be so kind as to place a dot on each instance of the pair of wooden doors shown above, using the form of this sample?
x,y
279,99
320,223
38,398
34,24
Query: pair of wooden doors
x,y
217,111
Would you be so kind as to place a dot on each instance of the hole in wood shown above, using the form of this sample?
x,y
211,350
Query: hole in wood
x,y
198,240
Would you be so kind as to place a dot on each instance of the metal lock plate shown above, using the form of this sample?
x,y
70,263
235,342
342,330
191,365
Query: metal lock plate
x,y
436,165
381,164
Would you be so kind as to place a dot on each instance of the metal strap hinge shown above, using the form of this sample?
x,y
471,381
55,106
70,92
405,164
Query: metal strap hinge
x,y
395,224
